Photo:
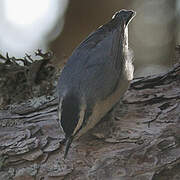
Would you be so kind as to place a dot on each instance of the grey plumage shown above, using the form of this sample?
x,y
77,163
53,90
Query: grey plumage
x,y
96,62
98,70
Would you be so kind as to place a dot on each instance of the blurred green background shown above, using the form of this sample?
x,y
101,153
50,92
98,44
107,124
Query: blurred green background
x,y
60,25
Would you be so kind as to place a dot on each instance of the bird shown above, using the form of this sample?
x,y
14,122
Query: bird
x,y
95,77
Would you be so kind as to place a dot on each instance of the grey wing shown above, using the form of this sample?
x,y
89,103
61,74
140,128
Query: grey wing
x,y
100,75
99,81
94,67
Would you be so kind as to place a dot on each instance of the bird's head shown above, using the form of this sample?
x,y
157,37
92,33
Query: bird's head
x,y
121,19
124,16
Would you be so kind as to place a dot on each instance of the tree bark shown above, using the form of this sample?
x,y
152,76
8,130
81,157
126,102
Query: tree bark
x,y
139,139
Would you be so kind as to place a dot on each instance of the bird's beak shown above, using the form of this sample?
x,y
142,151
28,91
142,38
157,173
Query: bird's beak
x,y
68,144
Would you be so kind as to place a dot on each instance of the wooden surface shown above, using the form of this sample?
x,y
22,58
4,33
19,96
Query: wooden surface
x,y
139,139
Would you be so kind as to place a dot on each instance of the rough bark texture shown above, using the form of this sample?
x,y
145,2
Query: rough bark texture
x,y
26,78
139,139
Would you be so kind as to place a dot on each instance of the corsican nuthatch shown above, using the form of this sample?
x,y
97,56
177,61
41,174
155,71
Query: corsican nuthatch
x,y
95,77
